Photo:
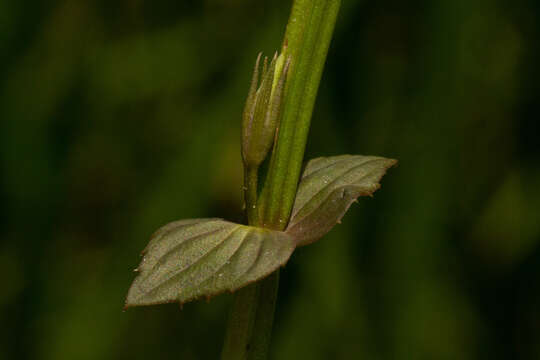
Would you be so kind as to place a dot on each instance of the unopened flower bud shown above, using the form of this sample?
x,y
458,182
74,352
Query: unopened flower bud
x,y
262,110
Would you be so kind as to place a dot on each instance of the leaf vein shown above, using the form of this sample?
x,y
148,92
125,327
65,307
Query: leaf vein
x,y
182,271
322,201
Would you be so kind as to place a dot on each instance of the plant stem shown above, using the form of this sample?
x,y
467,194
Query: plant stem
x,y
306,42
240,324
250,194
307,39
249,327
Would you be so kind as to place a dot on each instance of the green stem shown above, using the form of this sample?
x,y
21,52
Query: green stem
x,y
240,324
306,42
250,194
307,39
266,306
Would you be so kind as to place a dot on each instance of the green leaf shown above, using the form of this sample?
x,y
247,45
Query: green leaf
x,y
189,259
329,185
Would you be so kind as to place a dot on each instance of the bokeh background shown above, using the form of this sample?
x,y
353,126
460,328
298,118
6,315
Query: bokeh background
x,y
120,116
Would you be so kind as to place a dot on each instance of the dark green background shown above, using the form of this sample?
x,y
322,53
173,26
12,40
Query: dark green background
x,y
120,116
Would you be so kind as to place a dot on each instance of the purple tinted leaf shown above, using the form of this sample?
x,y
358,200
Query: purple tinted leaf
x,y
189,259
328,187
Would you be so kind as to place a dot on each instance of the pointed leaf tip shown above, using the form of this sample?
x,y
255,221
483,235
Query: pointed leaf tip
x,y
190,259
328,187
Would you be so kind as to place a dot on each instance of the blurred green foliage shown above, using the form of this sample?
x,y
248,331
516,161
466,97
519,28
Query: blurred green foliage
x,y
118,117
